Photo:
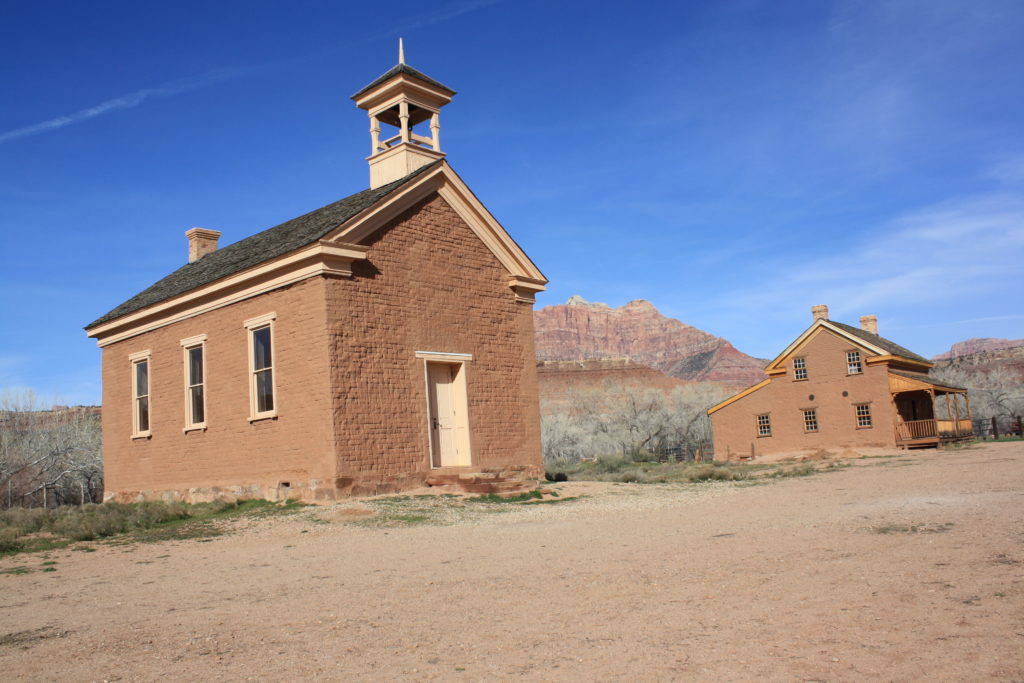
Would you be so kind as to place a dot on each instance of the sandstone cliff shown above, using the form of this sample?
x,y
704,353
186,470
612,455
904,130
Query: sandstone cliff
x,y
581,330
972,346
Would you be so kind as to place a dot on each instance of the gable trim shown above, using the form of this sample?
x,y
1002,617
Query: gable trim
x,y
733,399
316,259
450,187
808,334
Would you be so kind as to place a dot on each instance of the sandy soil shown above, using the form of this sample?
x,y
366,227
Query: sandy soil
x,y
907,568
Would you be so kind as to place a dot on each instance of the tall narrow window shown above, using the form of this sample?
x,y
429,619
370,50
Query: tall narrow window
x,y
261,376
863,415
764,425
799,368
140,393
853,364
811,420
195,382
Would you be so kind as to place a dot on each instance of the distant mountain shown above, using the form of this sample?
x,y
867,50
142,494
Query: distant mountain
x,y
581,330
1009,359
970,346
561,382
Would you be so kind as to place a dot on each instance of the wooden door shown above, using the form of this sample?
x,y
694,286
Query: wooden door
x,y
443,419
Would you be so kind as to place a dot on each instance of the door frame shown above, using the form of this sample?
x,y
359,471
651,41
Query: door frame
x,y
460,399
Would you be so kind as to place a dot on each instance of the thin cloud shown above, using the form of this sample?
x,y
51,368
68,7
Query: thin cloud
x,y
136,98
124,102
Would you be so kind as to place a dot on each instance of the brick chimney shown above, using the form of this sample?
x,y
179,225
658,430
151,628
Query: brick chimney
x,y
869,323
201,242
819,312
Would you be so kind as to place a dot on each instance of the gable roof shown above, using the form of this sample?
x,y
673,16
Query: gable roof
x,y
409,71
892,347
253,250
873,342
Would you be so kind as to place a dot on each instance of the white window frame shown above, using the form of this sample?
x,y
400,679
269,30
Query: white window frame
x,y
135,359
764,427
813,421
251,326
187,345
854,363
799,368
867,414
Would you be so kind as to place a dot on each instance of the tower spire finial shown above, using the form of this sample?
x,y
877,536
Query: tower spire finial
x,y
401,52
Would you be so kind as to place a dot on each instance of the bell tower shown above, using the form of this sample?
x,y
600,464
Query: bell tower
x,y
402,98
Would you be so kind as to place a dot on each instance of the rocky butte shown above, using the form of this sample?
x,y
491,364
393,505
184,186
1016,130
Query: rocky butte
x,y
581,330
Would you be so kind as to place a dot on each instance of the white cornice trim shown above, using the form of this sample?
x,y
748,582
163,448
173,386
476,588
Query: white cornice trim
x,y
815,326
316,259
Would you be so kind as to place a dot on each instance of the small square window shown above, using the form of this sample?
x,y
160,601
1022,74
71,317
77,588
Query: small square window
x,y
853,363
811,420
863,415
764,425
799,368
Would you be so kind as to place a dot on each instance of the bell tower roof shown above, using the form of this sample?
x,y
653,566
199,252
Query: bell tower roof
x,y
408,71
403,98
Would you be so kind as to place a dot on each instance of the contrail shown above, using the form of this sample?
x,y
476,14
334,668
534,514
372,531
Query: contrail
x,y
123,102
173,88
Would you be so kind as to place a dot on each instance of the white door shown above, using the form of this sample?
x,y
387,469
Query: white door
x,y
441,383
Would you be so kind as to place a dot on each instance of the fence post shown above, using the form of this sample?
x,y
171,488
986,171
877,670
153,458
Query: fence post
x,y
995,429
1020,427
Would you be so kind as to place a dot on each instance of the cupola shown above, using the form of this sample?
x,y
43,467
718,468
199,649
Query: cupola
x,y
402,98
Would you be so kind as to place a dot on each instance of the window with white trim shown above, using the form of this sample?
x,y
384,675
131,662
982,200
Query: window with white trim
x,y
764,425
195,381
853,363
261,367
140,393
863,411
811,420
799,368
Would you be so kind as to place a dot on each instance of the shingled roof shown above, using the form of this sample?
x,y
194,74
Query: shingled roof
x,y
254,250
408,70
892,347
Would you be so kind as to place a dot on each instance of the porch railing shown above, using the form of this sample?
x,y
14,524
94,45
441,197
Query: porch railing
x,y
925,429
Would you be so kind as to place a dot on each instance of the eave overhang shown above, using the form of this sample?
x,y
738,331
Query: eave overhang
x,y
333,255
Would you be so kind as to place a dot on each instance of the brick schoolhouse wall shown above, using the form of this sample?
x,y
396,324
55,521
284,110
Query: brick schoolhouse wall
x,y
429,285
294,447
735,427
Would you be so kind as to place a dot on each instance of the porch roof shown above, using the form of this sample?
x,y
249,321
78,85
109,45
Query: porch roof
x,y
914,381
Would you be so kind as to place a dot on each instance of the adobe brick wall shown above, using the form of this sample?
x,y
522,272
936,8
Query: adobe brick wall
x,y
429,285
735,429
233,456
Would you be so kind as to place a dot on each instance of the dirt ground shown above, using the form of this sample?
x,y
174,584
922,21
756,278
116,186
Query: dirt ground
x,y
899,568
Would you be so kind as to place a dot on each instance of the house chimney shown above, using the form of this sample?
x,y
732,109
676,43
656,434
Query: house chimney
x,y
201,242
869,323
819,312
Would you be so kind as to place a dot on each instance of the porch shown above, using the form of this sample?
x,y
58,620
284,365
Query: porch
x,y
920,402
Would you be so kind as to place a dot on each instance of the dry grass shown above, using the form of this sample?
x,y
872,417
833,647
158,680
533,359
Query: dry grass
x,y
617,469
33,529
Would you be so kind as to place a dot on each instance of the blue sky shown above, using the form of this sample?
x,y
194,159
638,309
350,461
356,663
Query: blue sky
x,y
734,162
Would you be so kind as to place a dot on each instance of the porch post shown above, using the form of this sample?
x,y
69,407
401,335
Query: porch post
x,y
956,406
949,413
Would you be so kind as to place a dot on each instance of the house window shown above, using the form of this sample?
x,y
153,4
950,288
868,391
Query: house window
x,y
811,420
764,425
195,382
140,393
261,367
853,364
799,368
863,415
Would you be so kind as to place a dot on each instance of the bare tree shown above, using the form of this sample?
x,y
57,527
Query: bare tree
x,y
48,457
630,423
